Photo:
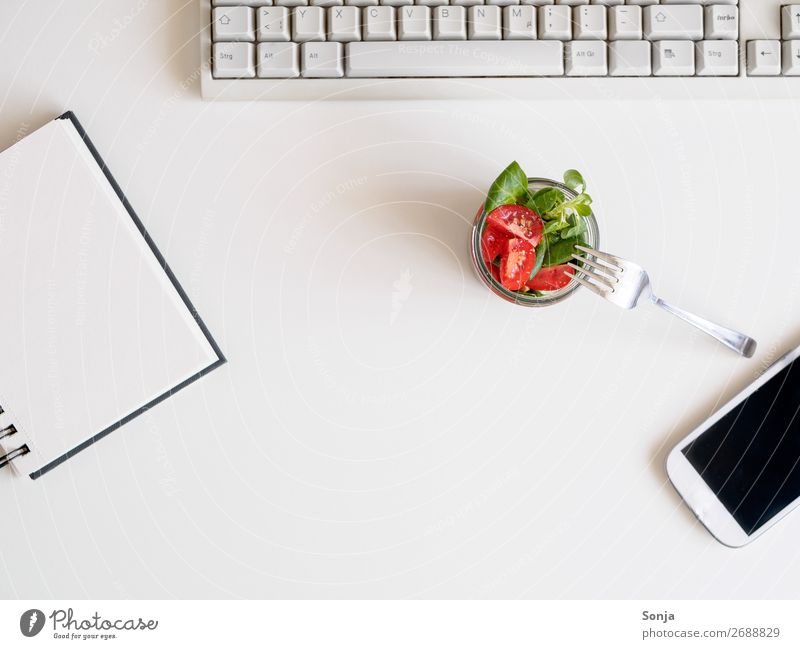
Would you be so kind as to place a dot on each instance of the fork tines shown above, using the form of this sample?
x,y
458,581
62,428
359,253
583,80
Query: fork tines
x,y
600,273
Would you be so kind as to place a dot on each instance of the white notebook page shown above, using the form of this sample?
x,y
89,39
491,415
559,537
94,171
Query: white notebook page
x,y
93,329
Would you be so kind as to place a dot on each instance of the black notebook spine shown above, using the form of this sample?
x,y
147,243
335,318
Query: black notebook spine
x,y
6,432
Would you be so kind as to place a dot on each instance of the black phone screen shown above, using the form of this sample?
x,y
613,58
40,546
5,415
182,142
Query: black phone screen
x,y
750,458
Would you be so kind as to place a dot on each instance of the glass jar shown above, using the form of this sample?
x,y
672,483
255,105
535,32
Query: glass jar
x,y
592,236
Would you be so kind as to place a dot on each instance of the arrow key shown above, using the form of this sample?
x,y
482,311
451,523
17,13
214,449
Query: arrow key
x,y
673,22
790,20
233,24
791,58
763,58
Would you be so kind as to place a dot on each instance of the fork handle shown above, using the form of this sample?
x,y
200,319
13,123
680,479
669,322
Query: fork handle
x,y
738,342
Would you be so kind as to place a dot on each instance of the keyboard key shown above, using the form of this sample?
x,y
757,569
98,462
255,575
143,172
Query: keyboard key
x,y
461,59
722,21
233,60
414,23
519,23
344,24
625,23
484,23
763,58
308,24
321,60
449,23
717,58
555,23
586,59
673,22
233,24
278,60
236,3
379,24
273,24
790,21
673,58
791,58
291,3
630,58
589,23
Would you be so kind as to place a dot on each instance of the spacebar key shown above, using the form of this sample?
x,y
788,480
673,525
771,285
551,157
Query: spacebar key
x,y
455,59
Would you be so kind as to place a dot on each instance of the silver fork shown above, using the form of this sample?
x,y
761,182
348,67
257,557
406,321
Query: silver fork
x,y
626,284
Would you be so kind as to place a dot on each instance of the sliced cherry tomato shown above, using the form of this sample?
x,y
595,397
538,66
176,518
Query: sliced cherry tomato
x,y
495,271
516,264
518,221
493,242
551,279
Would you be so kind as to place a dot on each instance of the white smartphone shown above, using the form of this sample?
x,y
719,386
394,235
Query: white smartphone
x,y
739,471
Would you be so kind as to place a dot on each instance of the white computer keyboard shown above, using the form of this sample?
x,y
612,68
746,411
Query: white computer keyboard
x,y
313,49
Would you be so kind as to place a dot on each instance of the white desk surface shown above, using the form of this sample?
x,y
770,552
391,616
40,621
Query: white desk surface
x,y
385,427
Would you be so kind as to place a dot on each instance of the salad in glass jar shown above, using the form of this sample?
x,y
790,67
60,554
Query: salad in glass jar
x,y
525,233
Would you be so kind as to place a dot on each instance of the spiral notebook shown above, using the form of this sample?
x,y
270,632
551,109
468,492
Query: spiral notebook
x,y
95,328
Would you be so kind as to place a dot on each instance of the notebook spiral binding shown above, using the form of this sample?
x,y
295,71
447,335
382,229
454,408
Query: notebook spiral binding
x,y
9,457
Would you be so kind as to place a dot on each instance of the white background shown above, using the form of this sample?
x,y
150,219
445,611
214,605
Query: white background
x,y
385,426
